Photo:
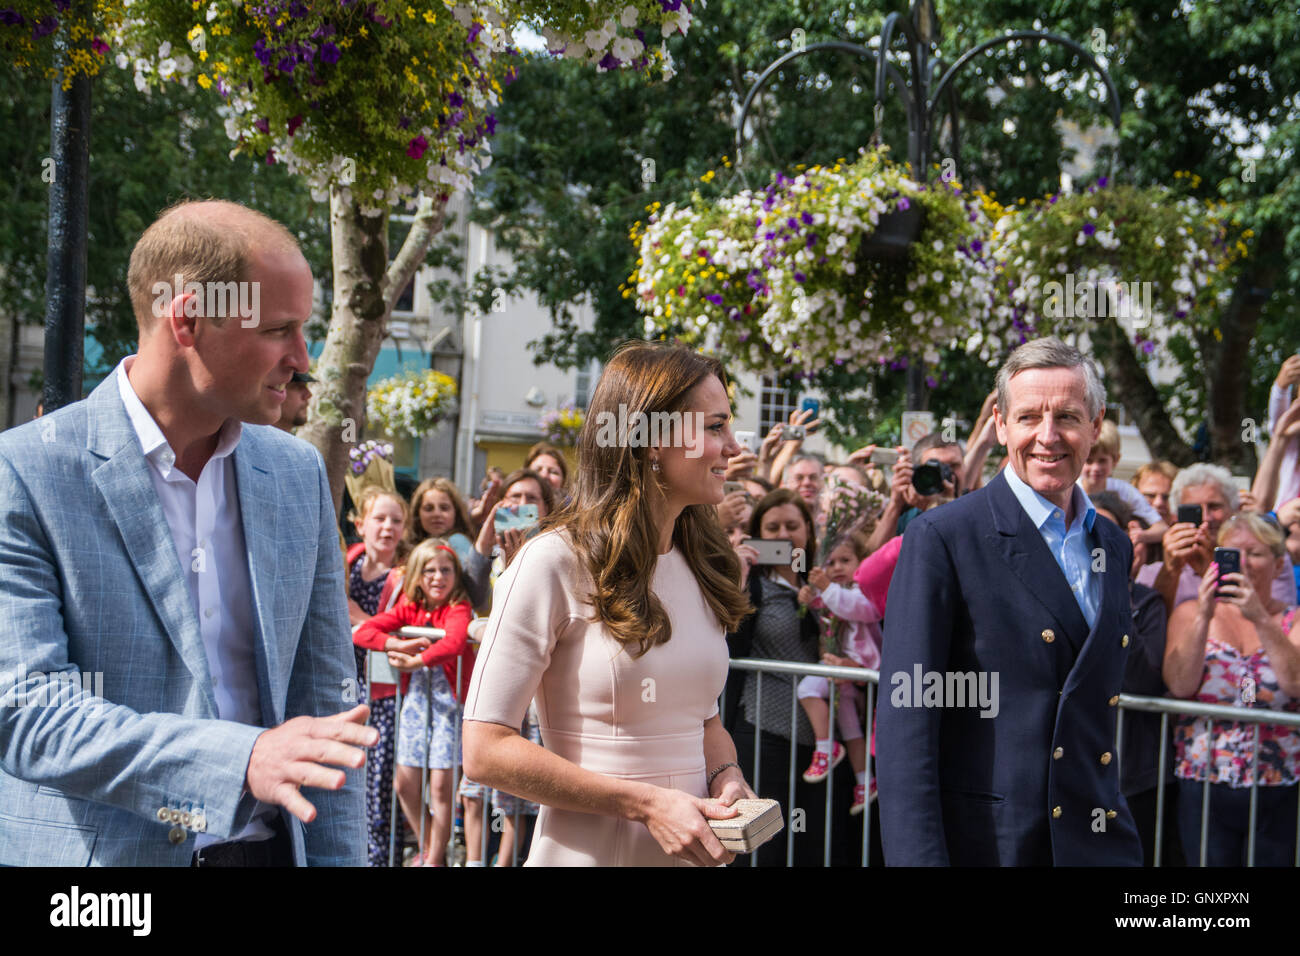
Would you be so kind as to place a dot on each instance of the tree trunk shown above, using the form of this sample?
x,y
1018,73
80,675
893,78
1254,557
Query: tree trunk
x,y
365,288
1128,382
1229,367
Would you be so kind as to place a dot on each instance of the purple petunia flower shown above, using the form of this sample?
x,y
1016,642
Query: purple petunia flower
x,y
800,277
807,217
1103,181
44,27
329,53
455,100
294,123
930,382
1148,347
792,222
262,125
9,17
904,203
1089,229
286,64
609,62
417,147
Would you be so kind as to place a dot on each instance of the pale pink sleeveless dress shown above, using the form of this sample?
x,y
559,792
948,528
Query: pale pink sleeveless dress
x,y
597,706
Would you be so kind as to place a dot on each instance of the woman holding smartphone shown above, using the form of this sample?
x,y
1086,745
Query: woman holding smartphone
x,y
783,629
614,618
1238,646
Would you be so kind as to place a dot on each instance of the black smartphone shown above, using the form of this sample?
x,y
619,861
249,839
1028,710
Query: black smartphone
x,y
1229,562
1190,514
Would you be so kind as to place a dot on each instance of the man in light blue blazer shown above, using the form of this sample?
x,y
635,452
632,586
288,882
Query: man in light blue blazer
x,y
175,655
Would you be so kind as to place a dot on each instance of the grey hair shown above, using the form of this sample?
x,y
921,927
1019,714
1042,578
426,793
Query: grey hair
x,y
1051,352
1204,473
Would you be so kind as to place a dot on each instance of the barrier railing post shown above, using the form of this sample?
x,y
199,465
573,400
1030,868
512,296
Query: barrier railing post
x,y
1160,787
870,763
1254,799
758,736
830,776
794,764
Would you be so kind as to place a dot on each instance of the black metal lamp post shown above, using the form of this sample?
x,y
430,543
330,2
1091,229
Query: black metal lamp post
x,y
920,97
65,280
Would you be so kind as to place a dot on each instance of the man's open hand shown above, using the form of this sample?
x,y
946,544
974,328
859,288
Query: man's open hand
x,y
301,753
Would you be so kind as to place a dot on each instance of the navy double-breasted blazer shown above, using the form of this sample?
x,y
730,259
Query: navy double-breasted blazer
x,y
978,591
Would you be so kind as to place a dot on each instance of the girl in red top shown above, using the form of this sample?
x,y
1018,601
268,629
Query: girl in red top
x,y
433,596
374,582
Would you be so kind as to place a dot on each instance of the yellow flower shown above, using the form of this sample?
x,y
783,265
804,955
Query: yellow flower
x,y
203,80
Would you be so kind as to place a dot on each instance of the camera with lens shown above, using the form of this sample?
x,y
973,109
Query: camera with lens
x,y
928,478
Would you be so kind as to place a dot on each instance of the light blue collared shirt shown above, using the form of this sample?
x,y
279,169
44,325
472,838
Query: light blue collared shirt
x,y
1069,546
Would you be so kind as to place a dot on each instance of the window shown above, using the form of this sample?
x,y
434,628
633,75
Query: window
x,y
775,405
583,384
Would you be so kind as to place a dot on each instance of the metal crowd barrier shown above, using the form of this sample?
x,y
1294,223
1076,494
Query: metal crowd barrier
x,y
1160,705
379,671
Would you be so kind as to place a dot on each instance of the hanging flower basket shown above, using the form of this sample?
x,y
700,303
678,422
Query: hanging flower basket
x,y
895,233
413,404
1144,257
561,426
816,270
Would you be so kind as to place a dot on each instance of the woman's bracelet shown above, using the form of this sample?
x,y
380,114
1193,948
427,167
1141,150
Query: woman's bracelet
x,y
719,770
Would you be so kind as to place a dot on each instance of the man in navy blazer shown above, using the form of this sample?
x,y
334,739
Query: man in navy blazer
x,y
169,682
1005,647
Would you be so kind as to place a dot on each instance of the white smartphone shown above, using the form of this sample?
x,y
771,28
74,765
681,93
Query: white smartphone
x,y
772,550
749,440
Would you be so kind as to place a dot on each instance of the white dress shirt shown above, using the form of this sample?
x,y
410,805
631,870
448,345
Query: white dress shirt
x,y
207,527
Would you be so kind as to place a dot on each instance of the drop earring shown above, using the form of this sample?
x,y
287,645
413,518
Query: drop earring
x,y
654,464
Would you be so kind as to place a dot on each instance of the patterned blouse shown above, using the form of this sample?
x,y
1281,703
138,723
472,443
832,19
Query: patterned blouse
x,y
1237,681
777,637
366,594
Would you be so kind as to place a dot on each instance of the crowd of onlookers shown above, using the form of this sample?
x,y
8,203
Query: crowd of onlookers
x,y
1201,632
432,561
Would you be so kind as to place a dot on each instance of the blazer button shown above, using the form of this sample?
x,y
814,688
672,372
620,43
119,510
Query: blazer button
x,y
185,818
1056,813
200,823
1114,701
1058,753
174,816
1124,641
1105,758
1111,814
1048,636
176,834
164,814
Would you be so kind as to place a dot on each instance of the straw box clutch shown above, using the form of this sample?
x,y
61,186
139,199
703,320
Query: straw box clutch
x,y
756,822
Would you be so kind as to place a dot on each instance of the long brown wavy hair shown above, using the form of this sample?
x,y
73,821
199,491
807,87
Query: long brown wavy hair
x,y
610,520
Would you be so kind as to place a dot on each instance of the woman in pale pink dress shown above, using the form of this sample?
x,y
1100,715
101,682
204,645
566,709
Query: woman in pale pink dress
x,y
615,620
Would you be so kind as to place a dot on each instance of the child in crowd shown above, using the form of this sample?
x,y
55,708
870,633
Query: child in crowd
x,y
438,511
435,597
1096,478
374,584
851,625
